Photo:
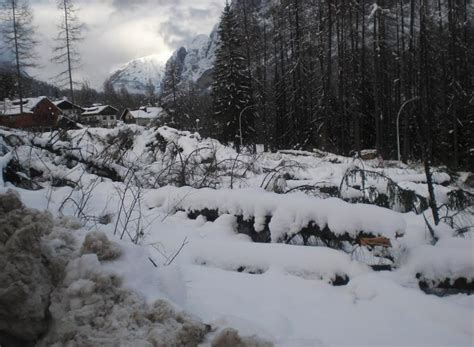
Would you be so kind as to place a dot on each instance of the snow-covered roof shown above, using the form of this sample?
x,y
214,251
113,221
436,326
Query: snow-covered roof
x,y
94,110
147,113
64,101
12,107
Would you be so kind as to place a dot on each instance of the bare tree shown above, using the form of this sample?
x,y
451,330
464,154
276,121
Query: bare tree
x,y
18,34
66,52
150,92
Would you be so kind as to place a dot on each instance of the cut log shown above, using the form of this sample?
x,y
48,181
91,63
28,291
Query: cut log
x,y
375,241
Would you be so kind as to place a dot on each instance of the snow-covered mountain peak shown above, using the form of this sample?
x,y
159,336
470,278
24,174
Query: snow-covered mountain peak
x,y
194,62
136,74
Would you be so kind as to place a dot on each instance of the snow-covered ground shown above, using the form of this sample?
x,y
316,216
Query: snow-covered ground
x,y
286,293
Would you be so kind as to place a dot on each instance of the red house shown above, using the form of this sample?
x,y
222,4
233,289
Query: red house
x,y
38,114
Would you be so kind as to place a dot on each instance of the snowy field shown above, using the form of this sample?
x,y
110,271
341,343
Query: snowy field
x,y
187,212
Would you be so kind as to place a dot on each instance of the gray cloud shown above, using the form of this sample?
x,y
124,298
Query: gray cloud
x,y
175,30
127,3
174,34
122,30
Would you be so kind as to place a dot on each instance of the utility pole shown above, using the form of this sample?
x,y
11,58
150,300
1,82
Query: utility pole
x,y
398,125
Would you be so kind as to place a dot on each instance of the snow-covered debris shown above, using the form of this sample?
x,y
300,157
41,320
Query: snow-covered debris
x,y
280,292
192,144
289,213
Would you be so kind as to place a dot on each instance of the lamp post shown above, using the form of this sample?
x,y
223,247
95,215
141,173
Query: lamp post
x,y
240,122
398,124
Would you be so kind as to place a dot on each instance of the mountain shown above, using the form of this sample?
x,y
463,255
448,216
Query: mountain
x,y
199,60
136,74
191,65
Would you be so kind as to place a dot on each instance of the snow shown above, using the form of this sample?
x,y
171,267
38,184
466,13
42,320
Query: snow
x,y
199,58
310,263
4,160
371,311
280,292
136,74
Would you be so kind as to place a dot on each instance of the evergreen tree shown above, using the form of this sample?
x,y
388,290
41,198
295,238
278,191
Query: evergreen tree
x,y
232,92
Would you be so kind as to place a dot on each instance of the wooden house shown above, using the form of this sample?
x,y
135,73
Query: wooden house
x,y
104,116
69,109
38,114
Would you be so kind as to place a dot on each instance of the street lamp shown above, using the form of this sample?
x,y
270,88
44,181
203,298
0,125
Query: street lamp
x,y
398,124
240,122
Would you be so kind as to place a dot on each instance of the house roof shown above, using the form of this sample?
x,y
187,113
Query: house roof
x,y
147,113
66,104
98,110
12,107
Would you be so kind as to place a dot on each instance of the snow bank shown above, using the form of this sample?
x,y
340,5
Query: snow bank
x,y
290,213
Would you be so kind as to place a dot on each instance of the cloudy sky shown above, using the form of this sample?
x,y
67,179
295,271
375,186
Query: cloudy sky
x,y
117,31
